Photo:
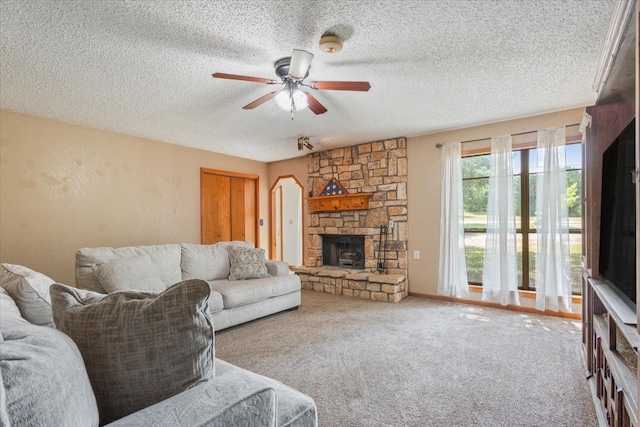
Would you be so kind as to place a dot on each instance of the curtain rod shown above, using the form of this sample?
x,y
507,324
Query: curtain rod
x,y
439,144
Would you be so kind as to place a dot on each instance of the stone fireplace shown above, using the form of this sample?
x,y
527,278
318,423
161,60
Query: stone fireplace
x,y
377,168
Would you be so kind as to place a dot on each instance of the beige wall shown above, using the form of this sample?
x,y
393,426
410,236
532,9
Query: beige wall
x,y
63,187
424,187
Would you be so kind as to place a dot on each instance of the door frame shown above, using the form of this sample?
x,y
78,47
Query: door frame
x,y
272,217
255,178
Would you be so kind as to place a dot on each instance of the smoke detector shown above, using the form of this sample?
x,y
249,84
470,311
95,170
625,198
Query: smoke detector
x,y
331,44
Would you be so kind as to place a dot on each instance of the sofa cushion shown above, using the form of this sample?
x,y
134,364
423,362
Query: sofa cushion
x,y
8,305
277,268
207,262
43,377
139,348
294,408
30,291
137,273
4,413
239,398
165,257
238,293
216,304
247,263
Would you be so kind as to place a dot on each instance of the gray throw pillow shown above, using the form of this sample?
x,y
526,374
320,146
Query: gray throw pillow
x,y
30,291
43,378
137,273
139,348
247,263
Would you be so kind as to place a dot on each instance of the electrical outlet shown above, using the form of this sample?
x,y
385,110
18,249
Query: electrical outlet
x,y
416,254
391,224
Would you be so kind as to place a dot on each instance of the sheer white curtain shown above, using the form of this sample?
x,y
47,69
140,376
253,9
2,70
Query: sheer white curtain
x,y
553,269
500,273
452,273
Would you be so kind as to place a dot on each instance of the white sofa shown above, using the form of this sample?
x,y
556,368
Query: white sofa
x,y
232,302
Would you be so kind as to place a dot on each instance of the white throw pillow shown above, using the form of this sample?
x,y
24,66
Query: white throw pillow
x,y
136,273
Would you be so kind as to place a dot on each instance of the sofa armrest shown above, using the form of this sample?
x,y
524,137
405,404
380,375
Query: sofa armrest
x,y
277,268
238,398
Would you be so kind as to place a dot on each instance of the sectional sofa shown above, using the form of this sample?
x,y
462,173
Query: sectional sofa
x,y
244,285
143,355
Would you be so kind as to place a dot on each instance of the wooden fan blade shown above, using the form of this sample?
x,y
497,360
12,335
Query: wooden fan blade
x,y
243,78
359,86
314,105
259,101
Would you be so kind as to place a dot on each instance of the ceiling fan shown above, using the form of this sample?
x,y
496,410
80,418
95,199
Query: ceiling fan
x,y
292,71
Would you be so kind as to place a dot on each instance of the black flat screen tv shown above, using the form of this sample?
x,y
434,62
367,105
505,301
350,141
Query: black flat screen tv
x,y
618,216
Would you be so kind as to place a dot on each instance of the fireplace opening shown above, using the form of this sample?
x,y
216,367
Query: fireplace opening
x,y
344,250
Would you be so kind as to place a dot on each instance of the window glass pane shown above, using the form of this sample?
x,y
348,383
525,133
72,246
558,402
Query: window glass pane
x,y
533,249
532,200
476,166
533,161
476,172
575,255
475,194
574,198
519,258
575,251
517,196
474,254
516,162
574,156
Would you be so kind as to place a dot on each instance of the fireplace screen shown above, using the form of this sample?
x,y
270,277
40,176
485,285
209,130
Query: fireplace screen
x,y
343,250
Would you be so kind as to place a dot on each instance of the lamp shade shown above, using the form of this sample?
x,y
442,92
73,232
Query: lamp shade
x,y
300,62
300,99
283,99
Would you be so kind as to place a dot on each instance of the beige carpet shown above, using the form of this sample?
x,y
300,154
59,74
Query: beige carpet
x,y
419,362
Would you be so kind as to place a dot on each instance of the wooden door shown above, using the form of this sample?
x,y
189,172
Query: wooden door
x,y
228,207
243,209
251,225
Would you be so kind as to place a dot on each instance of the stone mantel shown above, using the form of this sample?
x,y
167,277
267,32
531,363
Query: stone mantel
x,y
340,202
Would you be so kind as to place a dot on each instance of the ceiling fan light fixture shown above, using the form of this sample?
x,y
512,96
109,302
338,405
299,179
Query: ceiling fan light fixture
x,y
300,99
283,99
331,44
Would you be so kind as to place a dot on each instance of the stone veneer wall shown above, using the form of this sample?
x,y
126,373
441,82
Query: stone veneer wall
x,y
379,168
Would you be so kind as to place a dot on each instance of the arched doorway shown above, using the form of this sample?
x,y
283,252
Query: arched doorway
x,y
286,220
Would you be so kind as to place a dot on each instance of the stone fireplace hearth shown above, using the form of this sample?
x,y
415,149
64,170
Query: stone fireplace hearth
x,y
377,168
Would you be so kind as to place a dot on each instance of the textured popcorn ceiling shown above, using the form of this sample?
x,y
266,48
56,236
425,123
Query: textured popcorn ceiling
x,y
144,67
